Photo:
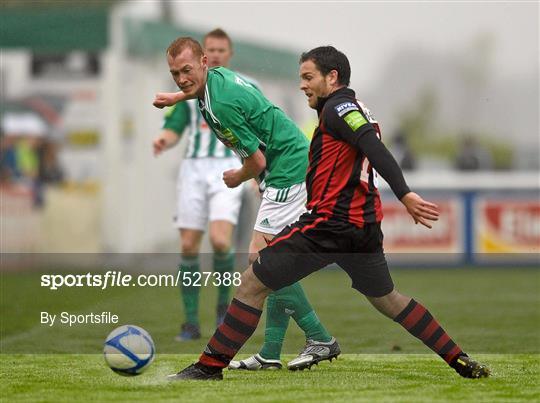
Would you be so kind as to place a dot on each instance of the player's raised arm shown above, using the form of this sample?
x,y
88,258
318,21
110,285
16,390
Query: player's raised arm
x,y
163,99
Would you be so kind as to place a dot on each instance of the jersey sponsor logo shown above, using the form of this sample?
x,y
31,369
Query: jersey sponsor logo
x,y
227,137
345,107
355,120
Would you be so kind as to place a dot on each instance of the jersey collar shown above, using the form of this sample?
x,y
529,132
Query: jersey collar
x,y
344,91
206,104
203,102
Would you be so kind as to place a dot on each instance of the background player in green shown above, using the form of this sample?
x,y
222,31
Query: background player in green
x,y
275,151
203,200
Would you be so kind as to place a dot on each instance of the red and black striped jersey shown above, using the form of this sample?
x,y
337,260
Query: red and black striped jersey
x,y
341,181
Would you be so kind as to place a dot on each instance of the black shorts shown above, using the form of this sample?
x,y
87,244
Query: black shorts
x,y
314,242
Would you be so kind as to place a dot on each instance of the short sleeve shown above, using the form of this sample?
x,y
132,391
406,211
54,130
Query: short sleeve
x,y
177,118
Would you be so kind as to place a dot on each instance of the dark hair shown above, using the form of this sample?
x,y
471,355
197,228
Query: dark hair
x,y
179,44
218,33
328,58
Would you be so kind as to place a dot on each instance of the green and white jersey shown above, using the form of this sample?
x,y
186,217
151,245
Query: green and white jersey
x,y
185,117
245,120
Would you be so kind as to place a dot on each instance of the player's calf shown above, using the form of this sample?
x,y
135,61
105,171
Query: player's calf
x,y
418,321
251,291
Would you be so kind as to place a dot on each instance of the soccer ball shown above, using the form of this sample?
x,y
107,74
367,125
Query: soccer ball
x,y
129,350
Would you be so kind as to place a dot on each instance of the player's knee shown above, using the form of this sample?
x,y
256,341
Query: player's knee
x,y
251,287
254,248
189,247
220,243
252,257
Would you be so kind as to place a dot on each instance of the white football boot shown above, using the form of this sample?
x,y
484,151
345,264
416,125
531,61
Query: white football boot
x,y
255,363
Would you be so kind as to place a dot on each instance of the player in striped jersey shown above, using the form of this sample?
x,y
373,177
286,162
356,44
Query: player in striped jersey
x,y
343,226
203,199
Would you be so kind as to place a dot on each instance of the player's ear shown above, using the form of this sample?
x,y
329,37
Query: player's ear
x,y
204,60
332,77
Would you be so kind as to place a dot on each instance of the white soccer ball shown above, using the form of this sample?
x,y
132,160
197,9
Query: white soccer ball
x,y
129,350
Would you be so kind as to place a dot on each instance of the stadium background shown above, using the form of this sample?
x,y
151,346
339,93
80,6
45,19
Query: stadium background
x,y
454,86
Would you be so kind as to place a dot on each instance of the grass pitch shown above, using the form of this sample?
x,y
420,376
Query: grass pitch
x,y
492,314
366,377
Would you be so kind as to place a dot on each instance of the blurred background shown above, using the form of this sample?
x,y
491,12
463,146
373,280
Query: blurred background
x,y
455,87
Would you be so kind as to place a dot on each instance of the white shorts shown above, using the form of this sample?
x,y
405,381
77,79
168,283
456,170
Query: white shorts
x,y
202,196
280,207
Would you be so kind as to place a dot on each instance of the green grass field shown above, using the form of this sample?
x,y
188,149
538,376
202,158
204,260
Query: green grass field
x,y
493,314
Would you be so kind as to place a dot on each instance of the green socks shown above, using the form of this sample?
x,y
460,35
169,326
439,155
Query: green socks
x,y
289,301
224,263
277,321
304,315
313,328
190,294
